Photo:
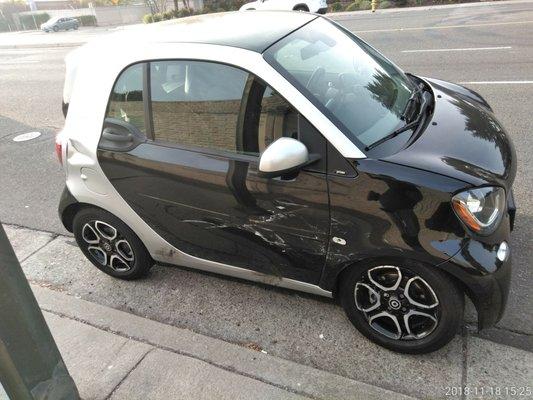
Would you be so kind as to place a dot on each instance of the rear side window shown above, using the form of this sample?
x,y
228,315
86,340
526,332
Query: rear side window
x,y
196,103
126,101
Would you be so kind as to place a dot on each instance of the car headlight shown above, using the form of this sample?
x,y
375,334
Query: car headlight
x,y
480,209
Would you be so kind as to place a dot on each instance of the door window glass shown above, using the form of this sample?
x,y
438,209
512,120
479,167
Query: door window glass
x,y
268,117
126,101
196,103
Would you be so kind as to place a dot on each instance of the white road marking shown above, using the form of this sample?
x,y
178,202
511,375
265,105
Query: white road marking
x,y
423,28
457,49
26,136
495,82
12,62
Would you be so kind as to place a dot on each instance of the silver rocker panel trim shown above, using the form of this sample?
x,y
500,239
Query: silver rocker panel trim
x,y
249,275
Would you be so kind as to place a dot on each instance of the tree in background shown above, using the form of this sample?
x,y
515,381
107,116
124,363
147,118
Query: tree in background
x,y
7,9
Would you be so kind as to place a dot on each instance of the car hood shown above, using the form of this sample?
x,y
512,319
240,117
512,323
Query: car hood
x,y
462,140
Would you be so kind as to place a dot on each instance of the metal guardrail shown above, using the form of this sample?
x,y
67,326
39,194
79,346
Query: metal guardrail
x,y
31,367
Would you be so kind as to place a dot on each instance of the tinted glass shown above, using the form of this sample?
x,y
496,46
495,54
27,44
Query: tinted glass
x,y
361,91
126,101
196,103
268,117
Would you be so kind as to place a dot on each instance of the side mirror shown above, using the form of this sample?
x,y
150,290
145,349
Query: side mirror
x,y
284,156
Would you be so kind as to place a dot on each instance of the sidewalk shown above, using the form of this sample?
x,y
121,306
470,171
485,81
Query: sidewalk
x,y
116,355
112,354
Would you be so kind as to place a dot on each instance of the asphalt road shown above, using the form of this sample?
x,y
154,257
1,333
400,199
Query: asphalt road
x,y
489,47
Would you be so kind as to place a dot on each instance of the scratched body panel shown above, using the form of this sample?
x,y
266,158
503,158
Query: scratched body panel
x,y
221,210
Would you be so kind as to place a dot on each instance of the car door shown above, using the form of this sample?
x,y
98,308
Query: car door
x,y
195,179
272,5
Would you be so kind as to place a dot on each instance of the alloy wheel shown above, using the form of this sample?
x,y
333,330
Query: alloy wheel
x,y
107,246
397,303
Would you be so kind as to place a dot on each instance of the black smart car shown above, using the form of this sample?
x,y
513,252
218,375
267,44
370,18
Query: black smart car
x,y
279,147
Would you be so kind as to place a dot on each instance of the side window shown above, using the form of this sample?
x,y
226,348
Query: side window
x,y
126,101
196,103
268,116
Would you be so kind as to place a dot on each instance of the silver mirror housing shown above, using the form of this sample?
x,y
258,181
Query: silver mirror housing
x,y
283,156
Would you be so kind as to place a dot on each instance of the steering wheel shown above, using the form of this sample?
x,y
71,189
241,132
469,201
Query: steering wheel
x,y
317,75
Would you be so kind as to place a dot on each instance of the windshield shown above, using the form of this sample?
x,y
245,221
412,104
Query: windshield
x,y
362,92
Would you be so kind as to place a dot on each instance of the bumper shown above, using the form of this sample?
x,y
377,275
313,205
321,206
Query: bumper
x,y
485,277
322,10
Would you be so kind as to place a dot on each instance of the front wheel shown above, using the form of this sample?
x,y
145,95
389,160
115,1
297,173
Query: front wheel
x,y
55,28
301,8
110,244
407,307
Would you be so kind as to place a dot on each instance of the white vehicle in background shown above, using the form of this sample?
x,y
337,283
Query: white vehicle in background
x,y
315,6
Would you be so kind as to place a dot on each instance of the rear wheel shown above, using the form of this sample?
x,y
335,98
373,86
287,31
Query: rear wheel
x,y
407,307
55,28
301,8
110,244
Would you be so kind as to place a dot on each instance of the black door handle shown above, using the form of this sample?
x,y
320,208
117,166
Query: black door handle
x,y
117,136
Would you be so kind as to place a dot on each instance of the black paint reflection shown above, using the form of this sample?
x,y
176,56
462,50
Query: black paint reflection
x,y
463,141
398,201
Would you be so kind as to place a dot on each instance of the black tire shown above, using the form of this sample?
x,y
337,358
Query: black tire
x,y
137,261
301,8
55,28
76,27
448,313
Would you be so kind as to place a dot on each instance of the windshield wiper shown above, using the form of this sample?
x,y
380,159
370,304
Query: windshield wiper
x,y
425,102
413,99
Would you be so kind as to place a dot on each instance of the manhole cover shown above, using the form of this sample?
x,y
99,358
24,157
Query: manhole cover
x,y
26,136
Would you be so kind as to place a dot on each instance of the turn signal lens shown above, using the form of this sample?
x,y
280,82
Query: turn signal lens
x,y
59,149
480,209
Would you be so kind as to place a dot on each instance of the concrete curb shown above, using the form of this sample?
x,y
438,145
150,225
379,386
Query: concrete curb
x,y
284,374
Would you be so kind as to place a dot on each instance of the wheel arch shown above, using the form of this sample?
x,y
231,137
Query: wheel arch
x,y
393,261
462,286
301,6
69,212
